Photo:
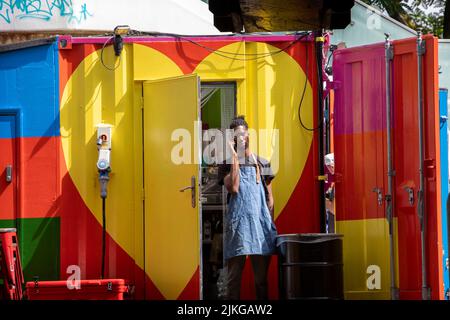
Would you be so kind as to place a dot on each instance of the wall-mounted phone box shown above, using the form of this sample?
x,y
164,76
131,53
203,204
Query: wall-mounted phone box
x,y
104,133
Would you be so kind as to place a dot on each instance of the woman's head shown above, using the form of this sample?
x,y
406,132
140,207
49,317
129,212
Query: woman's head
x,y
238,121
240,127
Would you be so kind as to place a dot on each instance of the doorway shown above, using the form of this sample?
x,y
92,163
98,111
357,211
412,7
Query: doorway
x,y
184,204
218,108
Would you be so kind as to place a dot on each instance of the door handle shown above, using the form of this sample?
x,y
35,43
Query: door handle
x,y
185,188
379,196
9,172
193,193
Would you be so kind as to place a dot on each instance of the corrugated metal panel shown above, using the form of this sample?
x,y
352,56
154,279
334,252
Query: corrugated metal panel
x,y
361,165
359,132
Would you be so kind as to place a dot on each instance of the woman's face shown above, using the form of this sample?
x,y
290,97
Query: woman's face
x,y
241,138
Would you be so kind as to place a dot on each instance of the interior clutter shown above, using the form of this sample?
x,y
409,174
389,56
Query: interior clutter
x,y
218,107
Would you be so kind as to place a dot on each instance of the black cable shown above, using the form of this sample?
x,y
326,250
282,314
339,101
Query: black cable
x,y
103,236
304,91
101,56
257,55
224,55
221,53
212,50
233,54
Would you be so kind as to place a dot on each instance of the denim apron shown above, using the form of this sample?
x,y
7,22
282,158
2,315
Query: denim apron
x,y
249,228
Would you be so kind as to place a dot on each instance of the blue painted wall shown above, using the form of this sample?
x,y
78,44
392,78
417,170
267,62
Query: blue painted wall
x,y
444,65
29,88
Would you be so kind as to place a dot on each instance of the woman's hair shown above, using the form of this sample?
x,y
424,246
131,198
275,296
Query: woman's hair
x,y
238,121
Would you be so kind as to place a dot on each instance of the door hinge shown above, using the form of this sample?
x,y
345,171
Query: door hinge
x,y
143,194
390,52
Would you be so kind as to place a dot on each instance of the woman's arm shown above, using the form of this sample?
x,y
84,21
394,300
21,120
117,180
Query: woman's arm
x,y
270,203
231,180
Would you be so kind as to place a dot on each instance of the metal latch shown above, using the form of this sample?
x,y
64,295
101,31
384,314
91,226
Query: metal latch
x,y
379,196
109,286
9,172
410,195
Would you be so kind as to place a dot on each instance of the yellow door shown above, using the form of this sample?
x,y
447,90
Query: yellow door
x,y
171,175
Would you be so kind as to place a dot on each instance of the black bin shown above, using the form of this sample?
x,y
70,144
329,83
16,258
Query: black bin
x,y
310,266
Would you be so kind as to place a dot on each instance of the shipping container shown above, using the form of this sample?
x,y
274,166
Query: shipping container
x,y
378,164
165,243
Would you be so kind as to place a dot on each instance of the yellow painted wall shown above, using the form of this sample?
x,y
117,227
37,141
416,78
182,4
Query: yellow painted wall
x,y
96,95
366,243
268,93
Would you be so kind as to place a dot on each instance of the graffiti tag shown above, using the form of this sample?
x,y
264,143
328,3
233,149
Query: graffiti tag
x,y
42,10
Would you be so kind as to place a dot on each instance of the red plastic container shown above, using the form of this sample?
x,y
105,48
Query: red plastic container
x,y
10,267
106,289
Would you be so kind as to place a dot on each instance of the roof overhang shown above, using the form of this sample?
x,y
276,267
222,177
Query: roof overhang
x,y
276,15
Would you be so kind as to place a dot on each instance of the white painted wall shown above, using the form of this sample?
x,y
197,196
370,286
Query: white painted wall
x,y
368,25
173,16
444,64
444,72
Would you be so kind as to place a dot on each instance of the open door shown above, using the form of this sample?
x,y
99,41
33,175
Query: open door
x,y
384,257
359,135
419,260
171,174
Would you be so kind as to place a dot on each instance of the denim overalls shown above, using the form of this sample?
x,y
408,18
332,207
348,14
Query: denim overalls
x,y
249,229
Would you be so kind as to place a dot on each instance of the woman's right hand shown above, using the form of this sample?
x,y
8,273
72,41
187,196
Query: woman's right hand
x,y
234,154
232,180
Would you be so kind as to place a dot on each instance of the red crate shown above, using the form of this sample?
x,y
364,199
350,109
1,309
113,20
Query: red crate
x,y
106,289
10,267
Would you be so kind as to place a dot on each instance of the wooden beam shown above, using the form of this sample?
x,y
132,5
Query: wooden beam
x,y
280,15
286,15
